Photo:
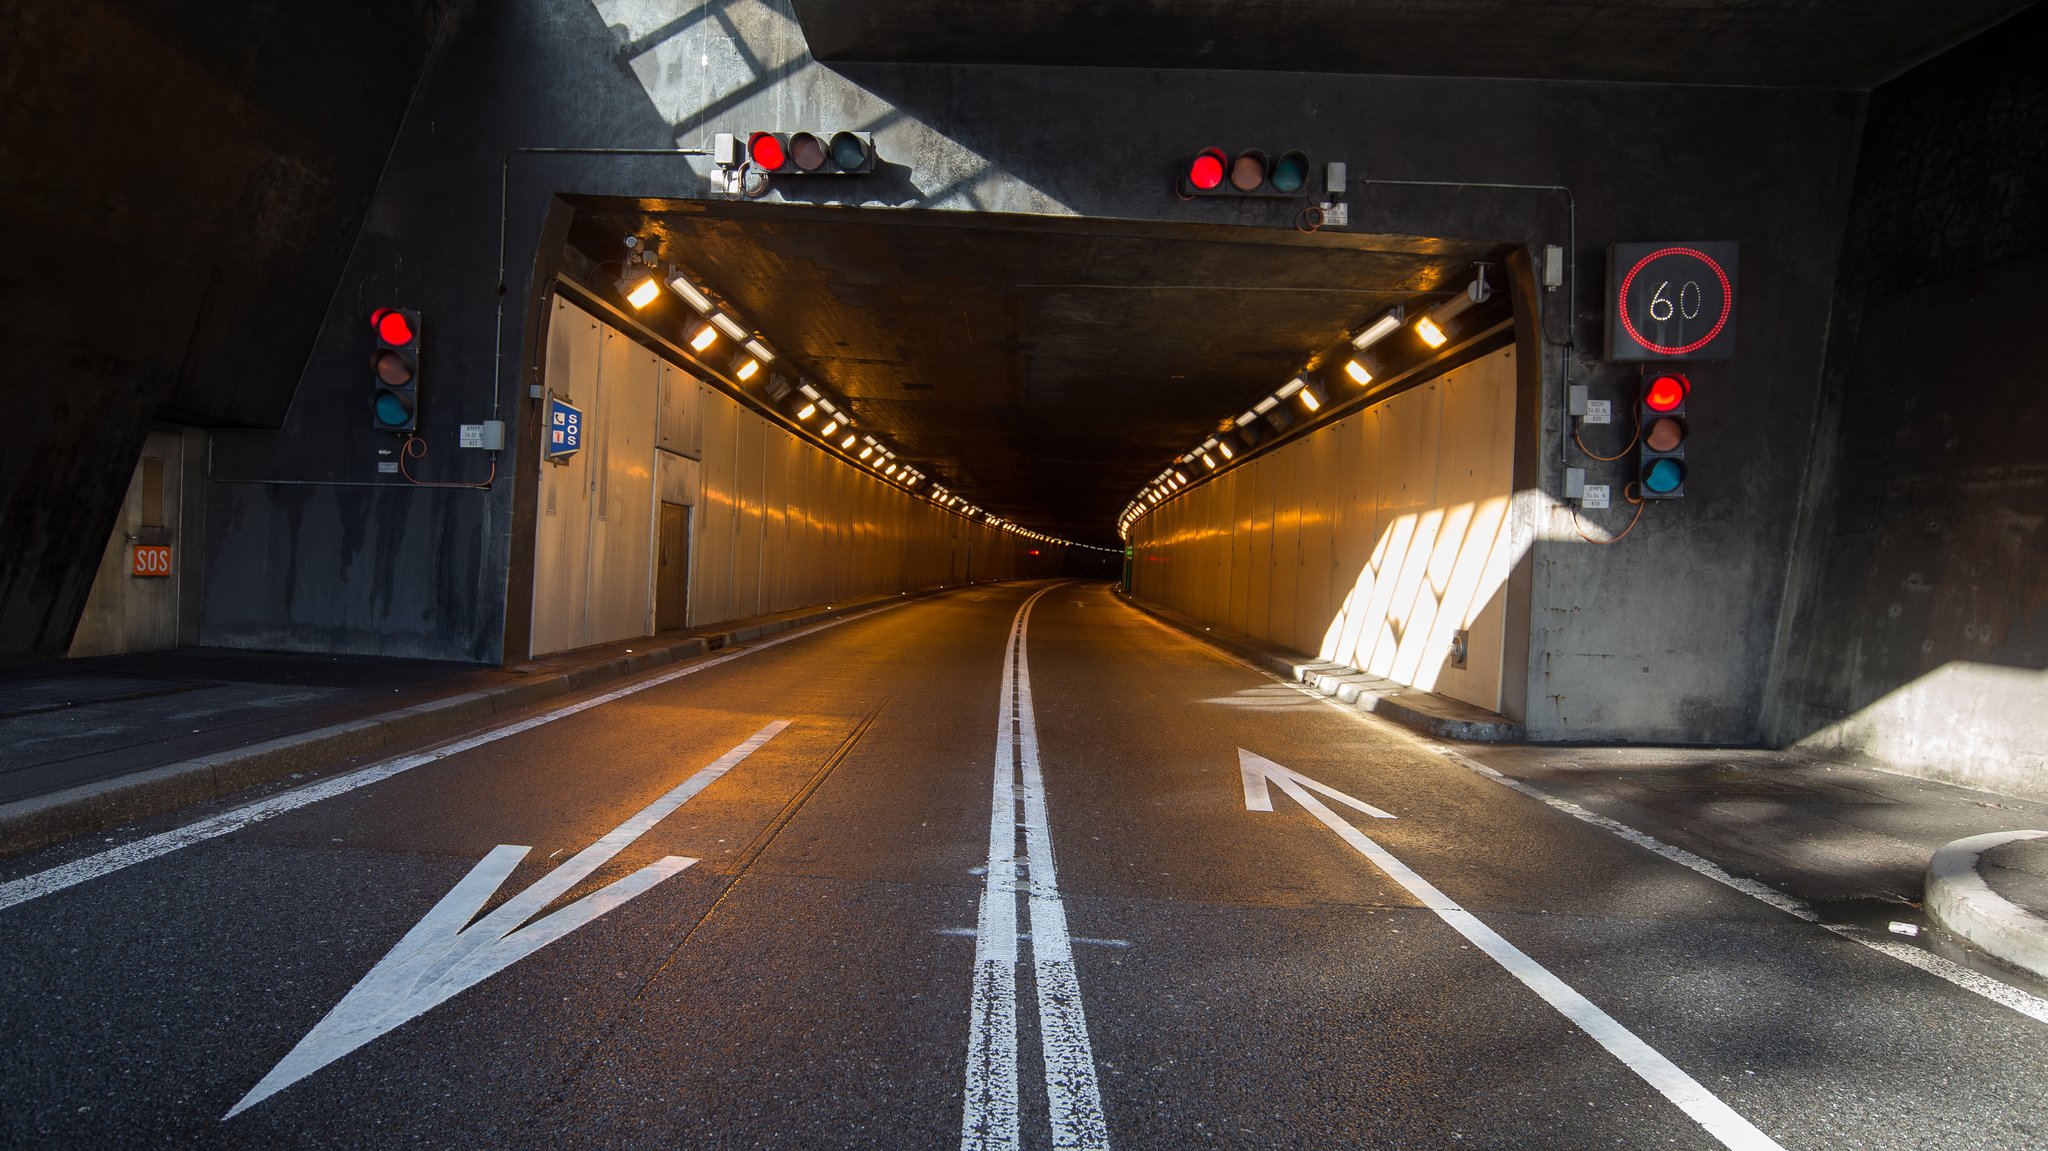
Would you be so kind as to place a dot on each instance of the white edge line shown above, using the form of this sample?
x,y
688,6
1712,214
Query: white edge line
x,y
34,886
1976,982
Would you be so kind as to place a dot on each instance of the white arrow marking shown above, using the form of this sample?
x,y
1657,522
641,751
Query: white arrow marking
x,y
440,957
1258,769
1706,1109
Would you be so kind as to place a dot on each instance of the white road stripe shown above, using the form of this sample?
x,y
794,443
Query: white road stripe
x,y
2004,994
1674,1084
1977,983
17,891
989,1119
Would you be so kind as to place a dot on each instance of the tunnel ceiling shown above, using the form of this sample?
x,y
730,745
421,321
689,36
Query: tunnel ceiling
x,y
1043,368
1780,44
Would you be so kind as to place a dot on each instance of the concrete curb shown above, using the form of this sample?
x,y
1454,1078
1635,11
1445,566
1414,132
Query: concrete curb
x,y
45,819
1960,900
1430,714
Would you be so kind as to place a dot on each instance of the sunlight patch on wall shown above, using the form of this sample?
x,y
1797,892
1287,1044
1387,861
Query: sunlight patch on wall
x,y
1977,724
744,65
1430,575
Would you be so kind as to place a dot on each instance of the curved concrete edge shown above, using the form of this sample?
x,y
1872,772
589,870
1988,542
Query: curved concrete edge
x,y
46,819
1960,901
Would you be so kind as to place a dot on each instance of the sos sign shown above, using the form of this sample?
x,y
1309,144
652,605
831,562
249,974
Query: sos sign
x,y
1671,301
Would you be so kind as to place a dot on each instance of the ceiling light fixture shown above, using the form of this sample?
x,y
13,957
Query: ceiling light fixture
x,y
681,286
1431,324
729,326
702,335
1379,329
639,287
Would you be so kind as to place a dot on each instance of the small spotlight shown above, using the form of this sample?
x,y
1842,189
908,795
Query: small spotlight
x,y
867,450
1208,461
747,370
639,290
1358,372
1311,398
1225,449
830,427
848,441
807,411
702,336
1431,334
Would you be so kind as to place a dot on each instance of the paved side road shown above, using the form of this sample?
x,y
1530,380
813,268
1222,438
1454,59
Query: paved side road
x,y
1017,867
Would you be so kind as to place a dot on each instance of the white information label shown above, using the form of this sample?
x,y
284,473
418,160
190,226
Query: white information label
x,y
472,436
1599,411
387,467
1596,497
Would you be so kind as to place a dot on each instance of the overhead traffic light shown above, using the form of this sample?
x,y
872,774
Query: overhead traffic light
x,y
812,153
1214,172
1660,451
395,370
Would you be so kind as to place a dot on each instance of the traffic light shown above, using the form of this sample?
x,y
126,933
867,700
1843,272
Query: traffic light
x,y
1660,451
1214,172
812,153
395,370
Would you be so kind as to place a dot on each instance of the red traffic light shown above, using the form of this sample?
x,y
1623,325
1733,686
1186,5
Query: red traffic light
x,y
766,151
1665,393
392,326
1250,172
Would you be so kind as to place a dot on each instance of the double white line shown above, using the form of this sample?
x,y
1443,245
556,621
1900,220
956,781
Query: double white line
x,y
989,1120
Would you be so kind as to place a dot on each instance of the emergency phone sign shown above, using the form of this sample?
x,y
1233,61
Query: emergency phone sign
x,y
564,434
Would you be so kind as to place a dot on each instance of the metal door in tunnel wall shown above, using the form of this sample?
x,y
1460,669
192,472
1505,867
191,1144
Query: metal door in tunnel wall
x,y
672,568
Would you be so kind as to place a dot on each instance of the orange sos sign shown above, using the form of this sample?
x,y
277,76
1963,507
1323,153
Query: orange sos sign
x,y
151,560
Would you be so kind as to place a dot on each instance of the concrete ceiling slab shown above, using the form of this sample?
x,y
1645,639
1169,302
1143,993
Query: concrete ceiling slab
x,y
1043,368
1834,44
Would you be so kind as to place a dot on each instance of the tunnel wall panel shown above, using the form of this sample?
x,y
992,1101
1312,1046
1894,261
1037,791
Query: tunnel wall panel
x,y
779,524
1374,540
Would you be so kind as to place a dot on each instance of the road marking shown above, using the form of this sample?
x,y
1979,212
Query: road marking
x,y
17,891
441,957
989,1115
1997,991
1257,769
1706,1109
2004,994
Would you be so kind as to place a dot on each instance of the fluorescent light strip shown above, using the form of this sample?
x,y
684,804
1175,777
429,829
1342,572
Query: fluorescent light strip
x,y
728,325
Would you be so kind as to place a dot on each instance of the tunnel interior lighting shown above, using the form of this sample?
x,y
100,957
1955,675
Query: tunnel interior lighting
x,y
1358,372
847,442
807,411
681,286
747,368
1246,416
1290,387
1433,335
760,351
1379,329
639,287
831,426
702,336
1208,461
1311,397
729,326
1223,447
810,393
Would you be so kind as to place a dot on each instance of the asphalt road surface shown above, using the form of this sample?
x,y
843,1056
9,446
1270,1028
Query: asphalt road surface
x,y
1007,867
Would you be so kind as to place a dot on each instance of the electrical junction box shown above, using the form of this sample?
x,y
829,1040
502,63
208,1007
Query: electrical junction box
x,y
489,436
1574,483
725,150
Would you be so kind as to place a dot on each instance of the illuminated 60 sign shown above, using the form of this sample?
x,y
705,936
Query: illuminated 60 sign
x,y
1671,301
